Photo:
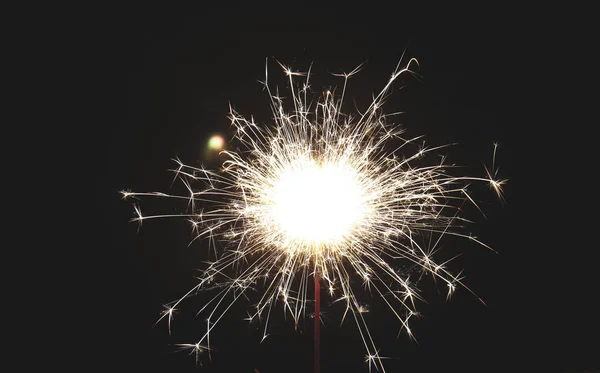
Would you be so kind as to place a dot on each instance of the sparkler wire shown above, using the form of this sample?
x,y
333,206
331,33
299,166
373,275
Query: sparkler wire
x,y
317,323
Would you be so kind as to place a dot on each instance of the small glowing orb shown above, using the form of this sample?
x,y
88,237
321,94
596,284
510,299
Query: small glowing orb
x,y
216,142
317,204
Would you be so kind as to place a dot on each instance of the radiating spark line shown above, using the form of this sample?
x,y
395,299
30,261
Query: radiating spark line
x,y
261,206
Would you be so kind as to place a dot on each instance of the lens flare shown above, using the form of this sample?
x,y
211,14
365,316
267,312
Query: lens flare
x,y
216,142
346,199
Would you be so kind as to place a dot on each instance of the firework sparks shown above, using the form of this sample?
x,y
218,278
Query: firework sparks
x,y
320,193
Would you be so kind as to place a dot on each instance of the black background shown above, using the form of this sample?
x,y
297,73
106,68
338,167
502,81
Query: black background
x,y
165,86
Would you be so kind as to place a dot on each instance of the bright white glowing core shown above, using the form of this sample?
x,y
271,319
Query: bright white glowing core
x,y
318,204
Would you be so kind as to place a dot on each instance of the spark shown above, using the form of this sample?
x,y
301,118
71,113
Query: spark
x,y
327,192
195,348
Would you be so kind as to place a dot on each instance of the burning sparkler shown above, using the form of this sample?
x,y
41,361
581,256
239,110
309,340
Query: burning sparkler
x,y
325,195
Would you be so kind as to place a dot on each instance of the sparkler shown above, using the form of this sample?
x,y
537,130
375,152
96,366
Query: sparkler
x,y
326,195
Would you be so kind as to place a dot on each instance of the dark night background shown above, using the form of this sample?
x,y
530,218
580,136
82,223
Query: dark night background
x,y
164,88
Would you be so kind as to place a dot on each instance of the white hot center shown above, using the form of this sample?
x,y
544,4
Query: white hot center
x,y
318,203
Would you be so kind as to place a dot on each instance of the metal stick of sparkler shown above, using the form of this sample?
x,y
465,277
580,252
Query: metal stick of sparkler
x,y
317,320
